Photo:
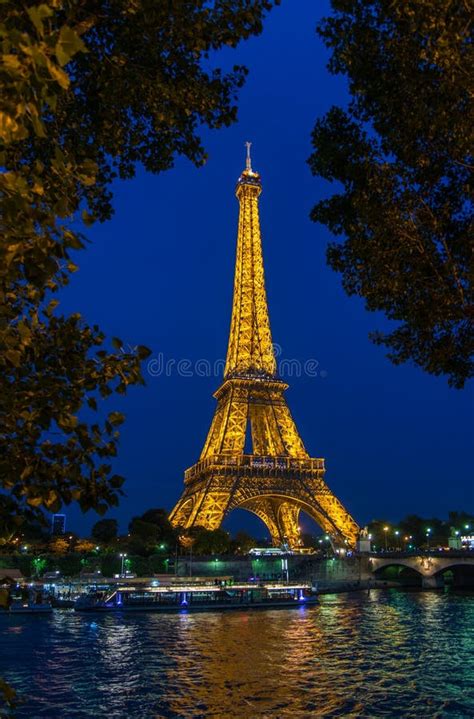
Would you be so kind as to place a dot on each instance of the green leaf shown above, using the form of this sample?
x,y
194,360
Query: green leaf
x,y
37,15
116,418
51,307
143,352
26,472
87,218
68,45
61,77
14,357
116,481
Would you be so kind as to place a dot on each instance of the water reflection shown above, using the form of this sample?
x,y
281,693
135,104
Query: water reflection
x,y
387,654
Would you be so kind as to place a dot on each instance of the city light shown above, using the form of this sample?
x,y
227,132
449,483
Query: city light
x,y
122,557
428,532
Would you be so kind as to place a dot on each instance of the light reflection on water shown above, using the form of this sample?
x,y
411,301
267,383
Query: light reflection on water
x,y
393,654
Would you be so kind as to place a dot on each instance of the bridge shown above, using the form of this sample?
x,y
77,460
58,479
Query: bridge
x,y
431,570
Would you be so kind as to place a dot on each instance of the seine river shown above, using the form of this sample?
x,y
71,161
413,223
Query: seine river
x,y
390,654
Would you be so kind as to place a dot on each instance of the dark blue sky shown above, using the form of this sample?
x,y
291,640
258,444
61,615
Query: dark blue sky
x,y
161,272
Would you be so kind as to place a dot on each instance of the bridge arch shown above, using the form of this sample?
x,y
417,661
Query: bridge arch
x,y
400,573
456,574
435,570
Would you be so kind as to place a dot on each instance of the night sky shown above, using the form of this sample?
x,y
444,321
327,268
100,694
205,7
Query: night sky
x,y
160,274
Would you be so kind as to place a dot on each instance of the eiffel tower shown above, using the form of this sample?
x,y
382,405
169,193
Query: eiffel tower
x,y
277,479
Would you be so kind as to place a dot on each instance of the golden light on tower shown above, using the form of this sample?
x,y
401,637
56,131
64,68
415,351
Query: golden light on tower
x,y
278,478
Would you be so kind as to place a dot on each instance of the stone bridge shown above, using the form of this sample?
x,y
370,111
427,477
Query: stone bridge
x,y
430,568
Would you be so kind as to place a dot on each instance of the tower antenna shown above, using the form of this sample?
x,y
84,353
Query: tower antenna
x,y
248,162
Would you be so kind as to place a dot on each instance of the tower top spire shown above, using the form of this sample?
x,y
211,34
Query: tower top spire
x,y
249,176
250,349
248,164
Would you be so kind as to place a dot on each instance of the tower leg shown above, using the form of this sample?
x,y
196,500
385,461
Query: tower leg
x,y
288,515
280,518
265,509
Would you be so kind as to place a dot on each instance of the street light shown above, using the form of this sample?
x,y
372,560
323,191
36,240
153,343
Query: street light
x,y
385,529
396,534
428,532
122,556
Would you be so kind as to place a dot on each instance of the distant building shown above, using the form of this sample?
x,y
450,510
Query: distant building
x,y
10,576
58,526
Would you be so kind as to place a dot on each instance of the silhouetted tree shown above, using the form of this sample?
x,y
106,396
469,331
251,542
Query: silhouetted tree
x,y
461,521
159,517
242,543
150,530
402,154
210,541
105,530
88,91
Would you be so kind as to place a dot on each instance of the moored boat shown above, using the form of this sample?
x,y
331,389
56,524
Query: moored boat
x,y
24,600
195,597
21,607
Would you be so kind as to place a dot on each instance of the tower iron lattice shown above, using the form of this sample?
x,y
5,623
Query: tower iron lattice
x,y
277,479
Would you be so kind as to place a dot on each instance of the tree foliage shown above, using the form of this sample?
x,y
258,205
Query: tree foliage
x,y
59,545
402,152
151,529
210,541
412,530
105,530
89,90
243,543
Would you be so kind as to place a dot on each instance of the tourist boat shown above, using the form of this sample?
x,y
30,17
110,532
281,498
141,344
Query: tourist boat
x,y
198,597
28,607
24,601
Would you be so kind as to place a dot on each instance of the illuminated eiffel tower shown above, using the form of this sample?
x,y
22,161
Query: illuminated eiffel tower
x,y
277,479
